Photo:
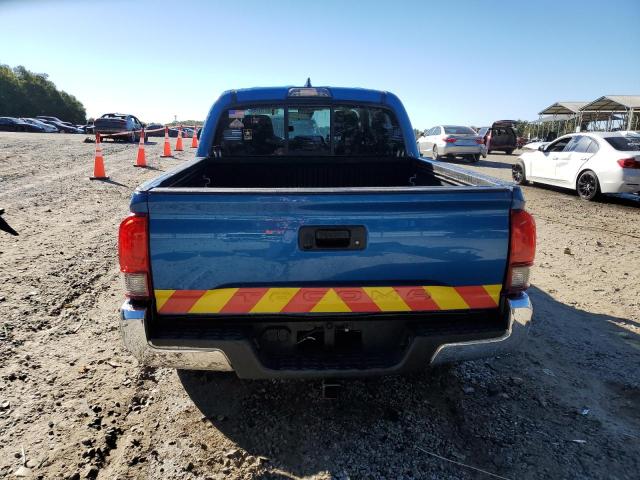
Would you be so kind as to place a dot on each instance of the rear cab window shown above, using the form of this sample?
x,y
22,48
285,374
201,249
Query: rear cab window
x,y
309,130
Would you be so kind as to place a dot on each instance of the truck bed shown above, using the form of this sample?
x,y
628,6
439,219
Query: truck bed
x,y
312,172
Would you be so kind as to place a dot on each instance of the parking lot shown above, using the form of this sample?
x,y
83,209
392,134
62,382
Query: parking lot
x,y
79,406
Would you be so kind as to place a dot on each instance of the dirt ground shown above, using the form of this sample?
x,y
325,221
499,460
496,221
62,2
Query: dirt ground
x,y
74,404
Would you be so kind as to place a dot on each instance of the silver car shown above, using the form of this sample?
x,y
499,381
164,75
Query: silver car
x,y
451,141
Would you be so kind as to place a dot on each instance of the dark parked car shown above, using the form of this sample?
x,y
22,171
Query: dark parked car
x,y
49,119
30,127
63,127
10,124
119,122
46,127
88,128
500,136
85,128
173,131
23,125
154,126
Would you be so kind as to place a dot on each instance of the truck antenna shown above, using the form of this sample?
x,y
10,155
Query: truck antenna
x,y
308,84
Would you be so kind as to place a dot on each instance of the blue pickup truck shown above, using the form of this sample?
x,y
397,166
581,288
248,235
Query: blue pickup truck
x,y
308,238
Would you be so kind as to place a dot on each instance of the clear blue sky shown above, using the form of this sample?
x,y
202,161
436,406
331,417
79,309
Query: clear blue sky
x,y
461,62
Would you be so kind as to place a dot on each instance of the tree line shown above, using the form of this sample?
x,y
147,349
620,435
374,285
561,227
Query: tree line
x,y
27,94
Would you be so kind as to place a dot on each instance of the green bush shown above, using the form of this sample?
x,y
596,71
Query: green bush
x,y
27,94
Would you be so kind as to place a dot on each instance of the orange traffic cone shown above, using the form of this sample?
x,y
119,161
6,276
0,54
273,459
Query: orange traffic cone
x,y
179,141
141,161
98,164
194,140
167,145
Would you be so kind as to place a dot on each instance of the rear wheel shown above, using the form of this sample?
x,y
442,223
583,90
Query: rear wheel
x,y
434,153
588,187
509,152
518,174
475,158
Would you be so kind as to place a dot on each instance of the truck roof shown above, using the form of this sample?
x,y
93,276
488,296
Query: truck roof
x,y
282,93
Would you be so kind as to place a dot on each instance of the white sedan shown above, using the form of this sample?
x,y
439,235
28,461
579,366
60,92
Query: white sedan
x,y
451,141
590,163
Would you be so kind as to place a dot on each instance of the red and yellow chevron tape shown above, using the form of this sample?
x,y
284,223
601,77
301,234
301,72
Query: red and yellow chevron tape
x,y
327,299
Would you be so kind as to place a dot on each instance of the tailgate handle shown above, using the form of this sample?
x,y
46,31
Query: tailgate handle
x,y
332,238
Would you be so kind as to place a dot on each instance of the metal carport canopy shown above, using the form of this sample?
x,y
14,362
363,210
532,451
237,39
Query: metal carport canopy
x,y
596,115
613,103
553,118
563,108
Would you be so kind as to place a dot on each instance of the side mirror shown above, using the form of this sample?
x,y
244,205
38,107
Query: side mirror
x,y
541,148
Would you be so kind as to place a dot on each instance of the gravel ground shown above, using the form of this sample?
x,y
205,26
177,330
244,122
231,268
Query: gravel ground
x,y
74,404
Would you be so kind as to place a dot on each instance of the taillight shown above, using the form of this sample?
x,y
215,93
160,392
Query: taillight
x,y
479,141
629,163
450,140
133,250
522,250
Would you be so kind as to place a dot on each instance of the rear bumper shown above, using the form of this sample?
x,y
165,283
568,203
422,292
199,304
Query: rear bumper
x,y
110,130
622,181
449,149
520,314
238,355
134,336
622,188
501,148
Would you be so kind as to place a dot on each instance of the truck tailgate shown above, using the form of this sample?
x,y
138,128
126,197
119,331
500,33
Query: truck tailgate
x,y
238,252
